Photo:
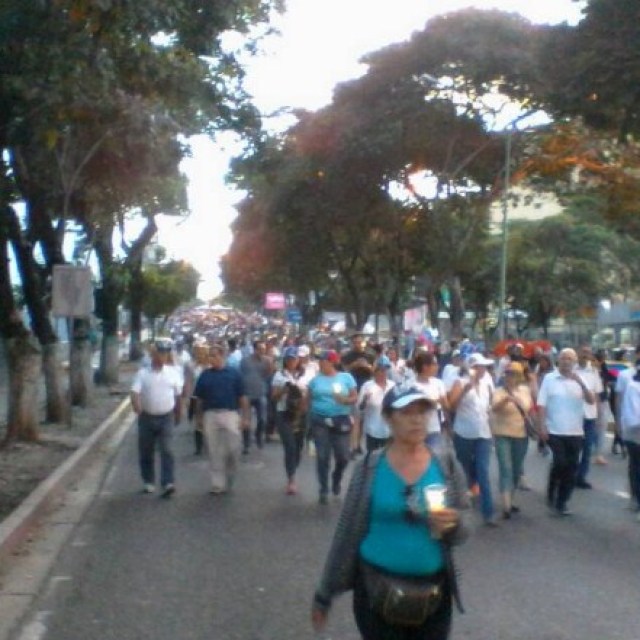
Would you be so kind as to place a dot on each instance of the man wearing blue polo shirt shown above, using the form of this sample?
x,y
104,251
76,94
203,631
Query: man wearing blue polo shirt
x,y
220,399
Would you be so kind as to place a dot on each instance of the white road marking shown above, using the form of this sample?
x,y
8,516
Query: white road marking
x,y
37,629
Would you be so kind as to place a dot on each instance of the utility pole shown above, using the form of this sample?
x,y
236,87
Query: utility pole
x,y
503,260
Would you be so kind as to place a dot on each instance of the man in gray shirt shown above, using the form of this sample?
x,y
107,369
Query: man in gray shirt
x,y
256,369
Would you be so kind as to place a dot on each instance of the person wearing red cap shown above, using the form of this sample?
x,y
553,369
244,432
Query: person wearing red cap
x,y
332,394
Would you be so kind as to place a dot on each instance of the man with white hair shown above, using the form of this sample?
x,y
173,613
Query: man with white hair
x,y
561,405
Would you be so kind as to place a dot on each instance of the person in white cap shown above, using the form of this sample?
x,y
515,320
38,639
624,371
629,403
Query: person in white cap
x,y
470,399
403,512
155,398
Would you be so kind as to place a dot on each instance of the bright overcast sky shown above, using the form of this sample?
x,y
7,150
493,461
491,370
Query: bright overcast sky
x,y
320,44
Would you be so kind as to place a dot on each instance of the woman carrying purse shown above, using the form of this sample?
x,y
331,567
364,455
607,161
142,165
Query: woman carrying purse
x,y
392,544
510,408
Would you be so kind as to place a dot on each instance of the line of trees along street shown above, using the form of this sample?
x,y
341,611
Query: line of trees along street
x,y
97,98
392,183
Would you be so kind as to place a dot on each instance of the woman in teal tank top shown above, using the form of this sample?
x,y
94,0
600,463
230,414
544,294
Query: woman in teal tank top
x,y
400,517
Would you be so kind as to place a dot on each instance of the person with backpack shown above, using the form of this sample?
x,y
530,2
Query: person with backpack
x,y
288,392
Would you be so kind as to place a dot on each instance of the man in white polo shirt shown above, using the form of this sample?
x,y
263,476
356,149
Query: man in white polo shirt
x,y
155,397
561,404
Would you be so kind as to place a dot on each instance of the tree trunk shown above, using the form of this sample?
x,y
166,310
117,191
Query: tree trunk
x,y
109,360
433,308
21,352
35,299
24,360
135,310
456,311
56,404
111,295
80,366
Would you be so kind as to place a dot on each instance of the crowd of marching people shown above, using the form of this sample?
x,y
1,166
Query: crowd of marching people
x,y
428,420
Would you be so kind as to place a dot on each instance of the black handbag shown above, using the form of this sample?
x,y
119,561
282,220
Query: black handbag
x,y
402,600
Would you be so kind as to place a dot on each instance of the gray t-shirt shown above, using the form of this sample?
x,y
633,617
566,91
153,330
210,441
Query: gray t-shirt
x,y
255,376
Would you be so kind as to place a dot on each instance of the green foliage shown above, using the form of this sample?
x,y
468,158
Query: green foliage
x,y
565,264
166,286
96,100
593,70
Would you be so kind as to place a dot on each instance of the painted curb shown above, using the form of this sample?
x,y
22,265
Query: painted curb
x,y
15,528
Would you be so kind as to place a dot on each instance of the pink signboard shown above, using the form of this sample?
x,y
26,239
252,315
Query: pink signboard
x,y
274,301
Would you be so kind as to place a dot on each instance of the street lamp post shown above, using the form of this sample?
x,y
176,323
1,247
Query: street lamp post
x,y
503,257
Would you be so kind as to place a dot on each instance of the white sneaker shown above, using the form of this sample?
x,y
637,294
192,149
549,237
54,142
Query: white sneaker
x,y
149,488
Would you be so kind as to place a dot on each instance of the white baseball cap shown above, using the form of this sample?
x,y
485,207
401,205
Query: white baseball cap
x,y
478,360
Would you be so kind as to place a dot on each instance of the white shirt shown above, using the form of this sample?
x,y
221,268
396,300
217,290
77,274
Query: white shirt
x,y
563,401
372,394
450,374
623,379
234,358
434,389
158,389
280,379
311,369
472,413
593,381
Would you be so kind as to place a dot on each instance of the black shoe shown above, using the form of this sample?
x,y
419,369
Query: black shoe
x,y
506,515
336,489
515,509
323,499
583,484
245,451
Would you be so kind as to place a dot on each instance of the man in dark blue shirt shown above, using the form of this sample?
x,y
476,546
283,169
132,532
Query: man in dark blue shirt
x,y
223,408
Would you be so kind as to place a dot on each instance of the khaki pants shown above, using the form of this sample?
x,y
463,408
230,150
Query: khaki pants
x,y
222,432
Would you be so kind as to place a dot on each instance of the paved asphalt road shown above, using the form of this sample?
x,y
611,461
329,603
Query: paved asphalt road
x,y
243,567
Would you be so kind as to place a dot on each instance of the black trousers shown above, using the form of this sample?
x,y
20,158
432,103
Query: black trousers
x,y
633,450
373,626
562,475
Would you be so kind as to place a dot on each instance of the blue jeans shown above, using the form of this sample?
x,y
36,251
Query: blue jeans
x,y
475,457
328,440
590,441
292,443
260,406
152,430
510,453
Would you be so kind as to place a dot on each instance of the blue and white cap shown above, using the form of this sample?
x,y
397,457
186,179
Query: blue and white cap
x,y
398,398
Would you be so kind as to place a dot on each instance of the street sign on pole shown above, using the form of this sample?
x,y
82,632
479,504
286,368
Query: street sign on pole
x,y
294,316
72,291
